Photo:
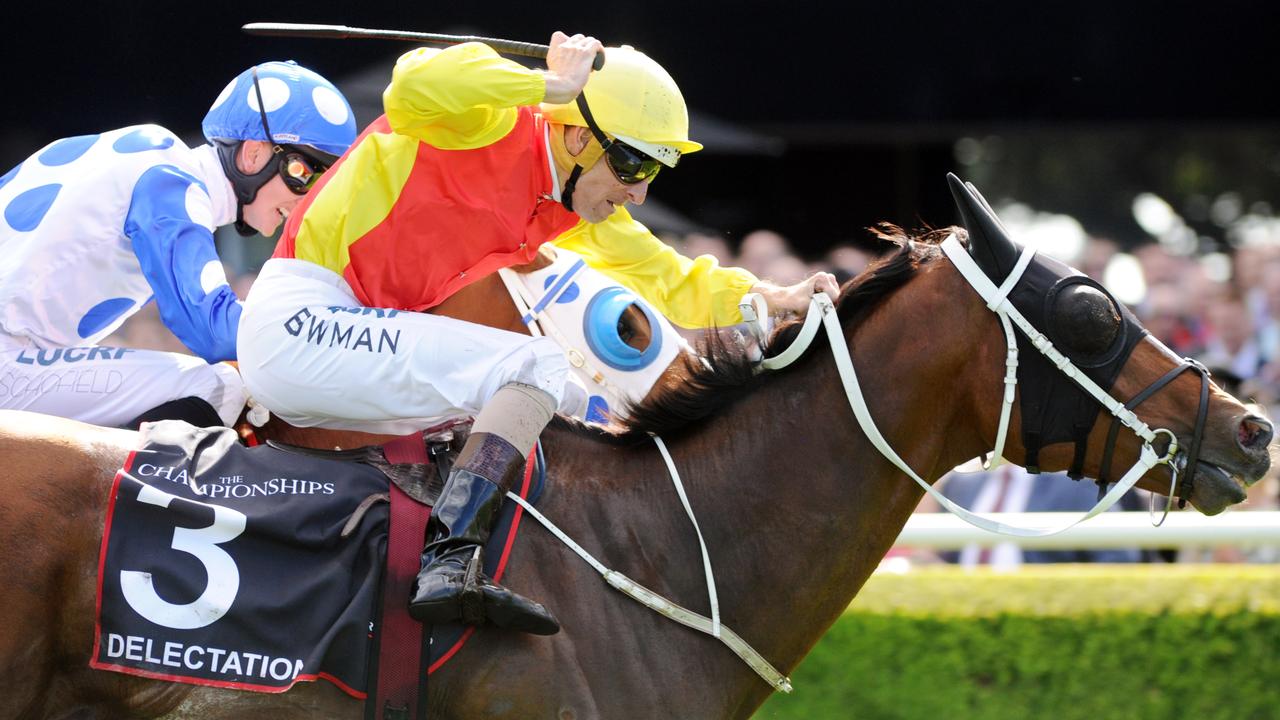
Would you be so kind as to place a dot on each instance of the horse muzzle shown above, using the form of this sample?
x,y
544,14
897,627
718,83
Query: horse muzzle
x,y
1221,477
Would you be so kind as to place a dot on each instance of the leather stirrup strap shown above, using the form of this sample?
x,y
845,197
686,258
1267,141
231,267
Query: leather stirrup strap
x,y
400,678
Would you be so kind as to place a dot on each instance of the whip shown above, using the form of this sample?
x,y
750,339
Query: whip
x,y
342,32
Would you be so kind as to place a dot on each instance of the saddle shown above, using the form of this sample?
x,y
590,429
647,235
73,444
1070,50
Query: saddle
x,y
418,464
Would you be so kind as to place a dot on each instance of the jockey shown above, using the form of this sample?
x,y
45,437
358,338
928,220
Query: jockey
x,y
464,175
92,227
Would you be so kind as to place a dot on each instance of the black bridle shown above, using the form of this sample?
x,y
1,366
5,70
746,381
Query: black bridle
x,y
1183,488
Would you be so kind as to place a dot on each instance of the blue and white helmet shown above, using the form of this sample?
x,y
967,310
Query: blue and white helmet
x,y
303,115
302,108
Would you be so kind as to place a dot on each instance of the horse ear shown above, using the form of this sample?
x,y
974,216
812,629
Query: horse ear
x,y
989,243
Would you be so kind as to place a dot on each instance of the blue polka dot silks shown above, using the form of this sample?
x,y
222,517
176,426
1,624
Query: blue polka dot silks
x,y
92,227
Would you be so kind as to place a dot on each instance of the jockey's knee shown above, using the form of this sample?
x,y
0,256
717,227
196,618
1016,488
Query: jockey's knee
x,y
538,363
228,400
213,394
548,370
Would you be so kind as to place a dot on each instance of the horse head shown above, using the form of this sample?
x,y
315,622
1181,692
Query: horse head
x,y
1221,445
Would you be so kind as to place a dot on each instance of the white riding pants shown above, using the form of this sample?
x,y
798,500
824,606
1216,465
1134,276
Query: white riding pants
x,y
109,385
311,354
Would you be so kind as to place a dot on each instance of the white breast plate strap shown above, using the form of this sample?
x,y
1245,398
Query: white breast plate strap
x,y
706,558
1010,389
665,607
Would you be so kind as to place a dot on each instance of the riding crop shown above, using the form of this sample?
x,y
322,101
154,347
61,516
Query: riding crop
x,y
342,32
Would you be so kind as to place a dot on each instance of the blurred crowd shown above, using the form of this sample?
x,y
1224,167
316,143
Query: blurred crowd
x,y
1224,314
1231,324
769,255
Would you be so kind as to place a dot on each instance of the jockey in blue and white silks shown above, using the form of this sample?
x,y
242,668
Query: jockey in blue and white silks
x,y
93,227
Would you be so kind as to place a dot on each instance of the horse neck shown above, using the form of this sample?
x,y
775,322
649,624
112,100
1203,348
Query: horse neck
x,y
796,506
485,302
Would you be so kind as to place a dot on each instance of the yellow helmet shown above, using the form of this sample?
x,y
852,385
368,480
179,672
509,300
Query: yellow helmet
x,y
633,99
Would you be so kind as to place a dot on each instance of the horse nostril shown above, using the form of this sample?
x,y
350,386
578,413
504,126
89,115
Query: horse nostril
x,y
1254,432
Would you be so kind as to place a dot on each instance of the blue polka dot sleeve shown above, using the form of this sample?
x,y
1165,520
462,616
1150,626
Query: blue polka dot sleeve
x,y
179,259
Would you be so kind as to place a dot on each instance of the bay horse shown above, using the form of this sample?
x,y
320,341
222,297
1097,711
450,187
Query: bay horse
x,y
796,509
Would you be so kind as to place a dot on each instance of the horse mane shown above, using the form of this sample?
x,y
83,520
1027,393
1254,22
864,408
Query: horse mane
x,y
723,371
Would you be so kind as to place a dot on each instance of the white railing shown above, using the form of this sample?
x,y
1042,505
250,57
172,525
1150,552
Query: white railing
x,y
944,531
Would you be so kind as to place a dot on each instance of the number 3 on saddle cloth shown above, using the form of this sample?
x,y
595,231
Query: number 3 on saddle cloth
x,y
256,568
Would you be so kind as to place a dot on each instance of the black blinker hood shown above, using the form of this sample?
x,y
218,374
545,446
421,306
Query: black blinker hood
x,y
1054,409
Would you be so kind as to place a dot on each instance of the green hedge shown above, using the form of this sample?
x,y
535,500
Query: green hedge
x,y
1052,642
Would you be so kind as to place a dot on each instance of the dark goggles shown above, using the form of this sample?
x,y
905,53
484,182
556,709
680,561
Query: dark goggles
x,y
628,164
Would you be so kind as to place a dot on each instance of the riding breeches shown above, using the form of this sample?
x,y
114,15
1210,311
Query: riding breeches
x,y
311,354
110,385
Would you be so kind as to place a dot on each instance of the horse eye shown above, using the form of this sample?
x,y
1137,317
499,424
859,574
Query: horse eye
x,y
1085,321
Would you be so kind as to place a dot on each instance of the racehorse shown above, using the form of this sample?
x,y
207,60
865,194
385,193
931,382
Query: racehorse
x,y
796,507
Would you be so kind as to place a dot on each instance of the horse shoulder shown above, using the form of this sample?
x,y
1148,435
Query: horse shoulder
x,y
23,426
55,469
33,443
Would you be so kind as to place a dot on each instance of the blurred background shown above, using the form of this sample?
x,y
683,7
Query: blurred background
x,y
819,118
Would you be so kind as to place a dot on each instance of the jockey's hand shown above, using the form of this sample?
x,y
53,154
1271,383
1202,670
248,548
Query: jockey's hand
x,y
569,65
795,298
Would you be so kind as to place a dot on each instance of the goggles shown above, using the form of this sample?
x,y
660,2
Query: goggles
x,y
298,171
628,164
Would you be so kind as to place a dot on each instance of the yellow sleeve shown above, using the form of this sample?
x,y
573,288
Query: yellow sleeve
x,y
460,98
691,293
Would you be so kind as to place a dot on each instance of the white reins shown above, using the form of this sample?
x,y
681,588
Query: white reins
x,y
823,312
661,605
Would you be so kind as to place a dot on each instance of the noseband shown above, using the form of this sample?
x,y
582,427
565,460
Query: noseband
x,y
1187,467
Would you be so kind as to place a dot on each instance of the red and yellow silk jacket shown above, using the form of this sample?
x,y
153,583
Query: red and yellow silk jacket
x,y
455,181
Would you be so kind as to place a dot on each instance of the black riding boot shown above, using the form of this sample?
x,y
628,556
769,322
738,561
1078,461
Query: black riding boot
x,y
451,587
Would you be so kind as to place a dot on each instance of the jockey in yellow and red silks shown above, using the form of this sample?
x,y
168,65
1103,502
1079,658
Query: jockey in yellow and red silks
x,y
463,175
